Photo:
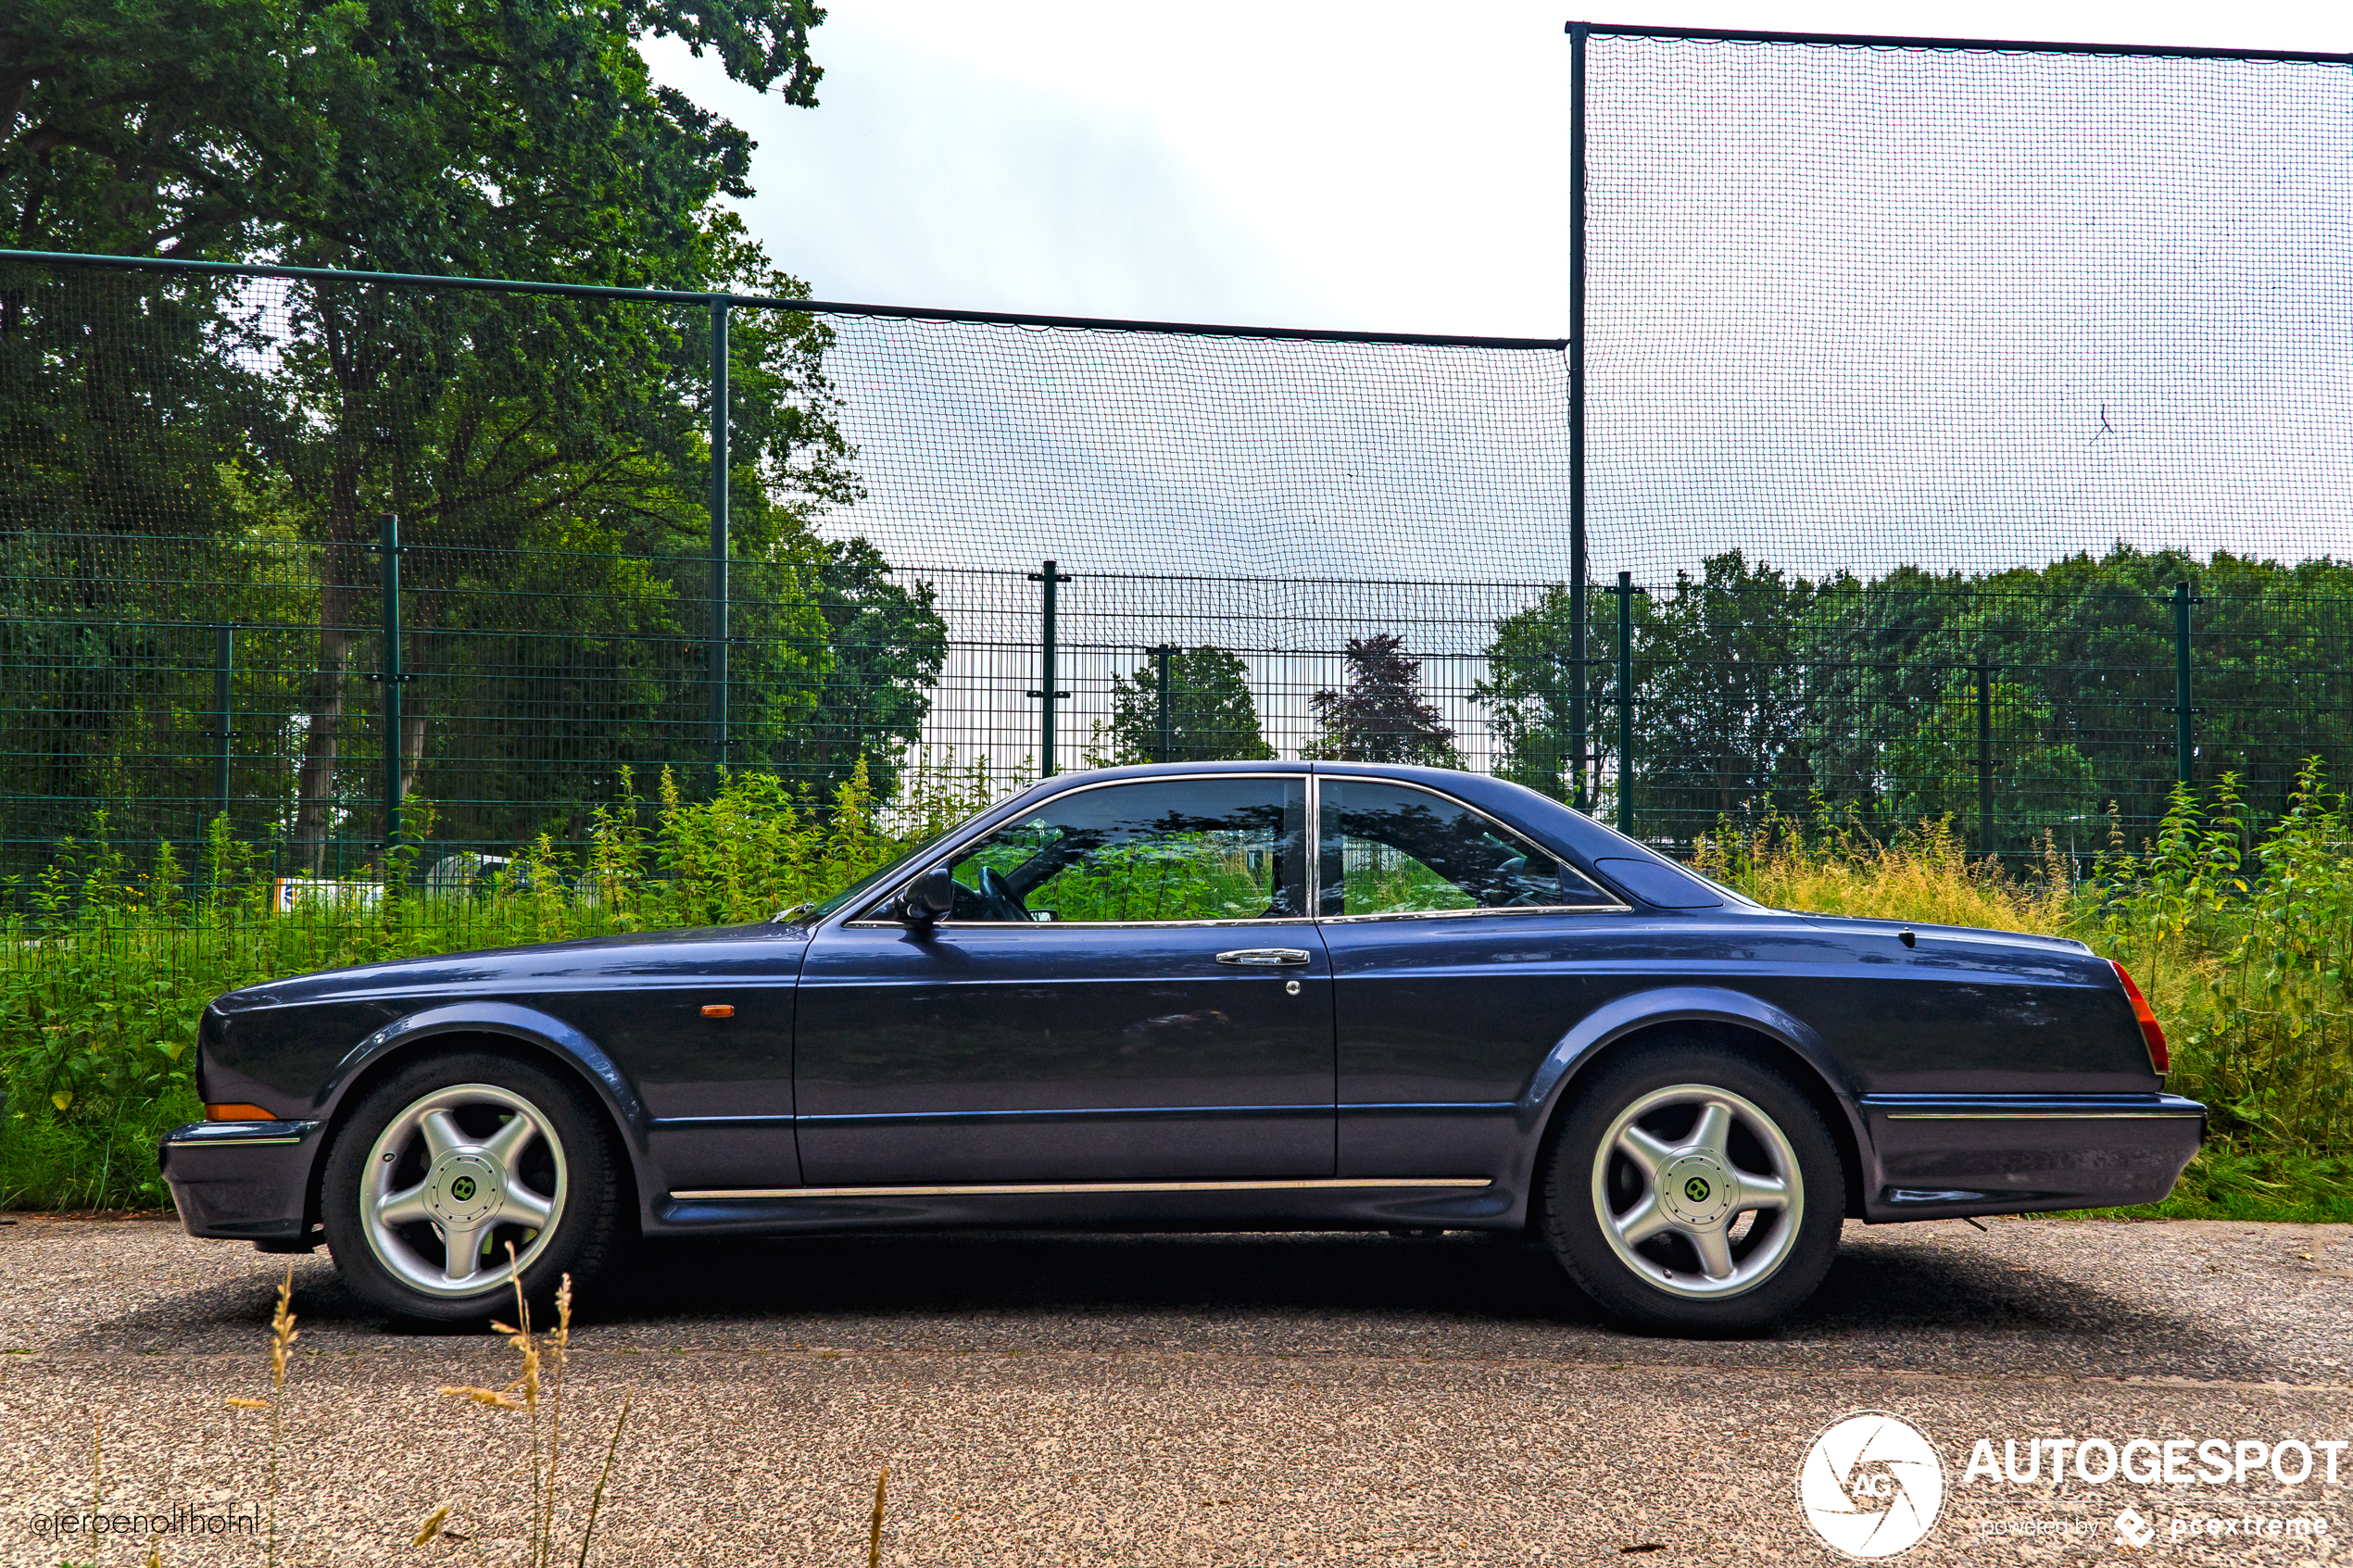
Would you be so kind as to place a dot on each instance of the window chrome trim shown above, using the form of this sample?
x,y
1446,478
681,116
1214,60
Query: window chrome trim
x,y
1074,924
1315,861
947,854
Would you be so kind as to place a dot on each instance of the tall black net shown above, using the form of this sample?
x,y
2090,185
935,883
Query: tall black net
x,y
1855,308
1969,424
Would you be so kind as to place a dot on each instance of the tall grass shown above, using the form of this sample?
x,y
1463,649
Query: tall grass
x,y
2240,932
106,962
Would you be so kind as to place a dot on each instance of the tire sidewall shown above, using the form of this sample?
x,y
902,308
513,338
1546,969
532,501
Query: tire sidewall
x,y
586,1232
1574,1231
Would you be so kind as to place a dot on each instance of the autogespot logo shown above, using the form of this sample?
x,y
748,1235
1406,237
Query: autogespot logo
x,y
1871,1485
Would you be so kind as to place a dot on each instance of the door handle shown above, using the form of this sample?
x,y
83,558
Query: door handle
x,y
1266,958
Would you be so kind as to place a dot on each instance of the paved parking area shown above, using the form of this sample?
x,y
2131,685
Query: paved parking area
x,y
1242,1400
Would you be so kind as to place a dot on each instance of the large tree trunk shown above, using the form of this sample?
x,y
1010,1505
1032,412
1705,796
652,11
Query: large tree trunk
x,y
315,783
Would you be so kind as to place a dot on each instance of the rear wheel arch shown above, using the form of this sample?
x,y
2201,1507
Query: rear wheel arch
x,y
1767,1049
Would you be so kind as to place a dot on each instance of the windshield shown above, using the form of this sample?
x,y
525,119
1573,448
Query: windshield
x,y
809,914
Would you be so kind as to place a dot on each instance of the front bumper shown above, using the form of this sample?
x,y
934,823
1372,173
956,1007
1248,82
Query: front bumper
x,y
242,1180
1943,1156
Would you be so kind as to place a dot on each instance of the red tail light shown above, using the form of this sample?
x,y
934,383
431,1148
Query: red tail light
x,y
2152,1031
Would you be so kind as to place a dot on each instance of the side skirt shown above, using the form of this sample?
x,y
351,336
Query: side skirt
x,y
1465,1202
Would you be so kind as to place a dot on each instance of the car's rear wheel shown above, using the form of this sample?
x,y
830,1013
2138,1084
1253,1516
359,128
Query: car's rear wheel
x,y
459,1175
1692,1190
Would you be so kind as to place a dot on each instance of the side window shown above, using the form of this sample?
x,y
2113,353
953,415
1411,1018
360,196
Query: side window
x,y
1392,849
1159,849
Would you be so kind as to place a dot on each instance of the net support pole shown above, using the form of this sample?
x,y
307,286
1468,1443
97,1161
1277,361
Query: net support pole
x,y
2181,735
1984,756
392,677
1577,606
718,506
1047,578
1626,703
224,713
1167,748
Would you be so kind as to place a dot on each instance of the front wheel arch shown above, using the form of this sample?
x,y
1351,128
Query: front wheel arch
x,y
413,1046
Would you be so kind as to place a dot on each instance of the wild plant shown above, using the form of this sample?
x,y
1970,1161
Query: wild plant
x,y
537,1389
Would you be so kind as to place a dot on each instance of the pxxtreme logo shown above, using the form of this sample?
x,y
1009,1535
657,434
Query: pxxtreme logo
x,y
1871,1485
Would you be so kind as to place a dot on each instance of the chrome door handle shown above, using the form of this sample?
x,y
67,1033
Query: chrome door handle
x,y
1266,958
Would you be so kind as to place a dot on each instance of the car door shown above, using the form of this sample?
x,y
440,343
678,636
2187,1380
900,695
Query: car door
x,y
1461,953
1129,988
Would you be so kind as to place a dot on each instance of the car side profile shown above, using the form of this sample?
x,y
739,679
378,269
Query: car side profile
x,y
1220,995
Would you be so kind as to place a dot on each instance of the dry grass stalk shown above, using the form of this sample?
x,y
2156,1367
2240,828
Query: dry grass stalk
x,y
873,1531
540,1381
281,1338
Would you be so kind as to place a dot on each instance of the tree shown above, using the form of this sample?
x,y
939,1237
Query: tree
x,y
888,642
1381,715
1530,690
1212,716
1721,704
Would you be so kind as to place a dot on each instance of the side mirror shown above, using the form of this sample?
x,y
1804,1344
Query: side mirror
x,y
929,897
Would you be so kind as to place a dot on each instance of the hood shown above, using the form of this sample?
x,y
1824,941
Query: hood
x,y
717,951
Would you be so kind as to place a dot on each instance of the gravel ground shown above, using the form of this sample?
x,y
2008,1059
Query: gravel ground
x,y
1216,1400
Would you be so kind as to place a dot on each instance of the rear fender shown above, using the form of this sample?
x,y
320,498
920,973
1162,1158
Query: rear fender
x,y
1639,1011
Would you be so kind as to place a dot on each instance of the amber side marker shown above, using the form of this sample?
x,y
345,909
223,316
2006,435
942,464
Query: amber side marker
x,y
717,1010
238,1114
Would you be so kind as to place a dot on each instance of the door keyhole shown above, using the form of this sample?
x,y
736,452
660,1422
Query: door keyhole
x,y
1290,987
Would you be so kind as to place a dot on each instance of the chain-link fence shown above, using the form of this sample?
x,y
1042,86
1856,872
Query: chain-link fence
x,y
1911,383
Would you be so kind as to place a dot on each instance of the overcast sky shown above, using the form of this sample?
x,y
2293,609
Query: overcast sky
x,y
1271,162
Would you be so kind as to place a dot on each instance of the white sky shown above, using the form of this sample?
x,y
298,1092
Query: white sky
x,y
1271,162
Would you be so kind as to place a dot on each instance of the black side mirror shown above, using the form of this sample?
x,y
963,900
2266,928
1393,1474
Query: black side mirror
x,y
929,897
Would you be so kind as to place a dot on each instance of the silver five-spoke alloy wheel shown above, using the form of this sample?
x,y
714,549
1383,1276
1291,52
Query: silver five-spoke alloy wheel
x,y
457,1179
1698,1191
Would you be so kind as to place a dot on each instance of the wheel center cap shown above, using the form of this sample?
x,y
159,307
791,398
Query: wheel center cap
x,y
463,1190
1696,1190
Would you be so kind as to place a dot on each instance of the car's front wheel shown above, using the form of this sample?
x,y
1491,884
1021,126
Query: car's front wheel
x,y
1694,1190
459,1174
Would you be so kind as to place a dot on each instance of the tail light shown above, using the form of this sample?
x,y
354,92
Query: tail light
x,y
2152,1031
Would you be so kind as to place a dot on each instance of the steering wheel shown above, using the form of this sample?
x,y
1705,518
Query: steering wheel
x,y
999,900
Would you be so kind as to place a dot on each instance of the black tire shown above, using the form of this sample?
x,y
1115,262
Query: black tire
x,y
1662,1283
572,1164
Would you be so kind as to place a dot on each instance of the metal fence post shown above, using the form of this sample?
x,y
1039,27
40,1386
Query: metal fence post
x,y
1167,737
224,714
2181,709
718,506
392,677
1626,592
1577,607
1984,758
1045,692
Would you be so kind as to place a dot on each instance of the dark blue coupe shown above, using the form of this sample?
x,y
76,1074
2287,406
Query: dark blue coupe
x,y
1238,995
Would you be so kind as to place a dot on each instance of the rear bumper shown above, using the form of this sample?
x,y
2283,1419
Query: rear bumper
x,y
242,1180
1941,1156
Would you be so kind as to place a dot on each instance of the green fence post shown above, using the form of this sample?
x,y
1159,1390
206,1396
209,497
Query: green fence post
x,y
392,677
1984,758
224,715
2181,709
1167,736
1579,741
1045,692
1626,703
718,506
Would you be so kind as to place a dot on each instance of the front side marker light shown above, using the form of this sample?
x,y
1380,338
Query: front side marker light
x,y
2152,1031
238,1114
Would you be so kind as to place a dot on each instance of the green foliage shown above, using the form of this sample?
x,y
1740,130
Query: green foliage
x,y
1380,715
1212,716
1531,688
105,973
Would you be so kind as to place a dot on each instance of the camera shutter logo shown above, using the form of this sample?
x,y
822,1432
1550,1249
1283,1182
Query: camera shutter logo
x,y
1871,1485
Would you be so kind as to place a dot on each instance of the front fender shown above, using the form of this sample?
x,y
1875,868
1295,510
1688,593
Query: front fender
x,y
526,1025
1624,1015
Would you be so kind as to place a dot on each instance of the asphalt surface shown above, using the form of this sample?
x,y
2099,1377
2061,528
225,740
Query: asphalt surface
x,y
1216,1400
